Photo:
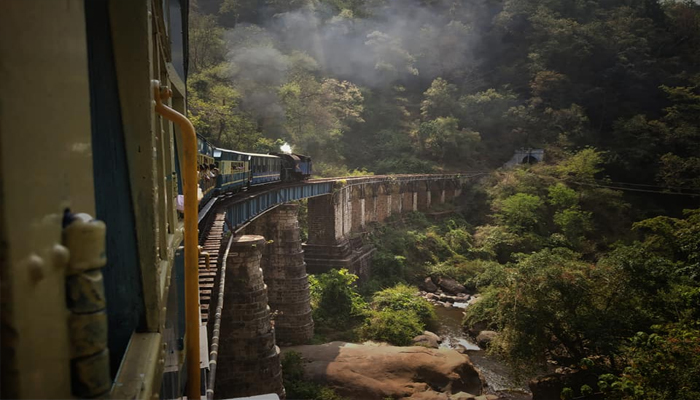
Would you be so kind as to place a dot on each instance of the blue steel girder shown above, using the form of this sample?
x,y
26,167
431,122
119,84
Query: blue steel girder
x,y
243,208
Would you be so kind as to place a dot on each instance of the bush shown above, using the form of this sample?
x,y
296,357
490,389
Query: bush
x,y
295,384
520,212
404,298
335,300
391,326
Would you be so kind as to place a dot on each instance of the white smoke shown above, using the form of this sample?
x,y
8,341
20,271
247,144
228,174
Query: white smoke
x,y
286,148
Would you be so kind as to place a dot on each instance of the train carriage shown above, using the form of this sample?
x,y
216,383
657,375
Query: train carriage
x,y
234,170
111,94
205,163
264,168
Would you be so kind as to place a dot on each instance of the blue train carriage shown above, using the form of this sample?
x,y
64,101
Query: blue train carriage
x,y
205,161
264,168
234,170
295,167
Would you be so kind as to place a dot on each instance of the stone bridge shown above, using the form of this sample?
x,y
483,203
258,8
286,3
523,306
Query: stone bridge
x,y
263,275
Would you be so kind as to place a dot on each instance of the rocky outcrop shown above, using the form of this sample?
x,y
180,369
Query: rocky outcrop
x,y
484,338
441,299
428,285
427,339
371,371
451,286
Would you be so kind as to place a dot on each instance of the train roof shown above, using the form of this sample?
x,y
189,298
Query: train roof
x,y
294,156
259,155
242,153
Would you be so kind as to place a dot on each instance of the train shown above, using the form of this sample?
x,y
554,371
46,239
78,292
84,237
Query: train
x,y
95,151
237,170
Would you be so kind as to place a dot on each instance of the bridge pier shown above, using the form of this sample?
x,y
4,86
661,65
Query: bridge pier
x,y
284,272
383,201
408,198
358,208
396,198
424,198
248,362
330,220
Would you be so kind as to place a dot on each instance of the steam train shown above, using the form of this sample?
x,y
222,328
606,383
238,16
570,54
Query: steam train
x,y
95,150
238,170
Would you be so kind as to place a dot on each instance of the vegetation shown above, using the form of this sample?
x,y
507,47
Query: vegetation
x,y
586,256
299,388
445,85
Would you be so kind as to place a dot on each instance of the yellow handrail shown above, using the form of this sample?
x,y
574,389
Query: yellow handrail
x,y
189,190
207,257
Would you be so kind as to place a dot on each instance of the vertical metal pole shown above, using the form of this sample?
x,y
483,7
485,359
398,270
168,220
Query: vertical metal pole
x,y
189,183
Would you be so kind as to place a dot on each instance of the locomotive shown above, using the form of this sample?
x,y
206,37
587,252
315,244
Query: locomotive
x,y
240,170
95,150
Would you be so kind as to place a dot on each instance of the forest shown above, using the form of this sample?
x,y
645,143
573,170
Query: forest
x,y
590,259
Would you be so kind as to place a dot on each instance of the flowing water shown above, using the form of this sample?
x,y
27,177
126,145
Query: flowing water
x,y
499,378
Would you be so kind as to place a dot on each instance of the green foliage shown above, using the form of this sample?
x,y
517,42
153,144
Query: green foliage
x,y
663,365
404,298
335,300
520,212
391,326
582,166
297,386
567,394
562,197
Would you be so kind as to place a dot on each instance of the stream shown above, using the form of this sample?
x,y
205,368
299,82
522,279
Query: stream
x,y
497,375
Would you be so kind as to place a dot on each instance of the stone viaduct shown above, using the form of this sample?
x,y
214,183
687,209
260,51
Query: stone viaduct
x,y
263,283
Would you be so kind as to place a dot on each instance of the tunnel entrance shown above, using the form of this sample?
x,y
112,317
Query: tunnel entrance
x,y
529,160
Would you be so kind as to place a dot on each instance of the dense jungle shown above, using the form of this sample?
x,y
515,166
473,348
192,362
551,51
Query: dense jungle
x,y
588,261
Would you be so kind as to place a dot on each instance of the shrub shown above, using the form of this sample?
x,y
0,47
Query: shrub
x,y
391,326
520,212
335,300
295,384
404,298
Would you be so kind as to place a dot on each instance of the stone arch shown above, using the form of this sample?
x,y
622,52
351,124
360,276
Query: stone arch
x,y
529,159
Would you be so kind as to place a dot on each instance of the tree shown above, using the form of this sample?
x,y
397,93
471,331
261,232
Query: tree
x,y
206,42
444,142
440,100
520,212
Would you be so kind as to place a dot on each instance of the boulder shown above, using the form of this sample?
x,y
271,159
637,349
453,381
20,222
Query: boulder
x,y
484,338
475,329
433,335
366,371
428,285
451,286
426,341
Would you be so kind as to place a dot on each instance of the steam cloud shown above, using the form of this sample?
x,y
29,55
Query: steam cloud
x,y
401,41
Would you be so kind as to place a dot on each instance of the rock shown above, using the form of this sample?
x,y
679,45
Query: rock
x,y
431,296
433,335
484,338
376,372
469,396
426,341
476,328
451,286
462,396
428,285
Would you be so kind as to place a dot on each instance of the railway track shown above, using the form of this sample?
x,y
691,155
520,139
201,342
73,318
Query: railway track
x,y
211,243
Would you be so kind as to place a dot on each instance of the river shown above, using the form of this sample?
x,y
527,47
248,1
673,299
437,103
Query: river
x,y
499,378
